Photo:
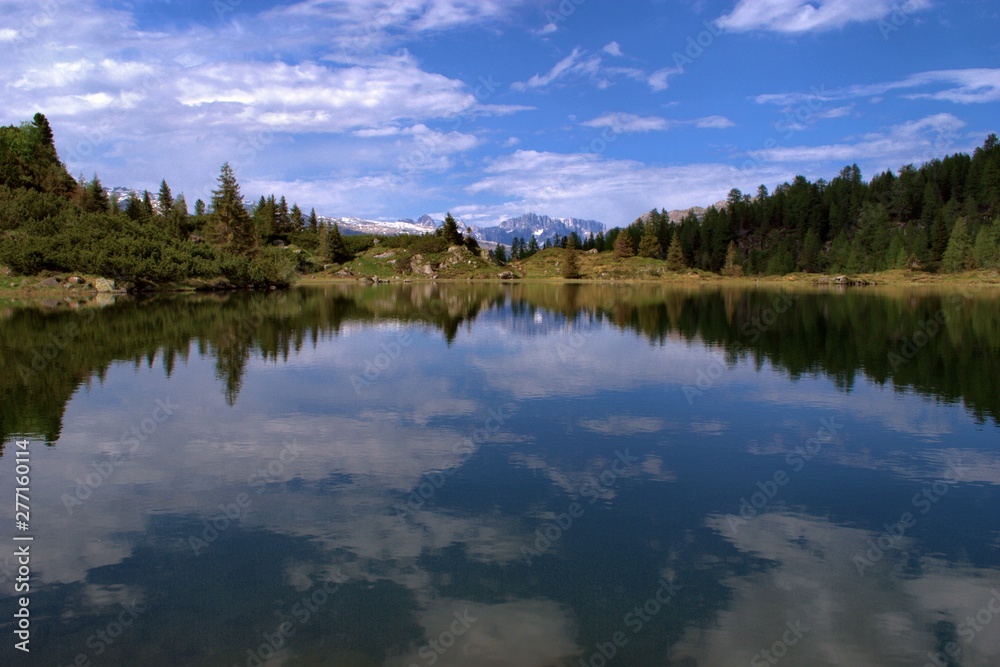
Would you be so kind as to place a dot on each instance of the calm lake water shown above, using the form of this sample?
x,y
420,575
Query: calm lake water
x,y
531,475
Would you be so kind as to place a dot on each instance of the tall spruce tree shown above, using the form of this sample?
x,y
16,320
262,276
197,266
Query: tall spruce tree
x,y
230,222
675,254
449,231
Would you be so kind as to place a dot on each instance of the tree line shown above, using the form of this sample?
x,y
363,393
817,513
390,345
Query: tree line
x,y
942,216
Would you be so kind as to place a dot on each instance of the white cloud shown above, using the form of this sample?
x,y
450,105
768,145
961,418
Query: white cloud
x,y
547,29
799,16
914,141
614,49
627,123
961,86
660,79
571,64
611,190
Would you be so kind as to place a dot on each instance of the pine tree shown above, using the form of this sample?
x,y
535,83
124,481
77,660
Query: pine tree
x,y
449,231
732,266
298,220
165,199
959,254
571,265
94,197
282,218
675,254
199,207
230,223
649,244
313,221
338,252
500,254
533,246
987,248
623,245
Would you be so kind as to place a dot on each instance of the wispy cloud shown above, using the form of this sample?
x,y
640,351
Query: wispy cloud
x,y
627,123
799,16
546,181
960,86
915,141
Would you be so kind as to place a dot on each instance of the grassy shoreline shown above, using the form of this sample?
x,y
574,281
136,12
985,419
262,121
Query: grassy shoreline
x,y
32,289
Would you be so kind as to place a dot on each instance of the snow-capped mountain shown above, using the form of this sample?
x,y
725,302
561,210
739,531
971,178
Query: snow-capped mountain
x,y
424,225
541,226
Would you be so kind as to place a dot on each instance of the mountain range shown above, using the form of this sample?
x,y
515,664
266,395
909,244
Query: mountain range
x,y
542,227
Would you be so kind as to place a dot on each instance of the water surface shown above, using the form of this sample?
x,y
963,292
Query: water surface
x,y
521,475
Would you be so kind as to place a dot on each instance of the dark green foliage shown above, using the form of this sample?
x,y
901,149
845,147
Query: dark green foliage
x,y
49,222
337,249
500,254
449,231
903,220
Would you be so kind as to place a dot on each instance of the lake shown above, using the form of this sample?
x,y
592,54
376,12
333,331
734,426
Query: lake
x,y
530,475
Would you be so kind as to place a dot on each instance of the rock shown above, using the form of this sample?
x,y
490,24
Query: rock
x,y
592,251
278,243
507,275
5,271
49,282
103,285
418,265
75,280
386,255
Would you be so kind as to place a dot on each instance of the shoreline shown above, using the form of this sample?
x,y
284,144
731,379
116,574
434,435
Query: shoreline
x,y
30,288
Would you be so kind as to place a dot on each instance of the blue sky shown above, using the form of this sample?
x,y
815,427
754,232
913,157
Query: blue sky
x,y
492,108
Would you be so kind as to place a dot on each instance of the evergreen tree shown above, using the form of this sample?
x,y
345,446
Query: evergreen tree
x,y
571,264
282,218
134,208
675,254
533,246
313,221
165,199
298,219
500,254
959,254
94,197
338,252
623,245
732,266
987,248
147,205
199,207
449,231
649,244
230,223
811,253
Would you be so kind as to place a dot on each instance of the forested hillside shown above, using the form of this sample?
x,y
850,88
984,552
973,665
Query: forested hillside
x,y
49,221
941,216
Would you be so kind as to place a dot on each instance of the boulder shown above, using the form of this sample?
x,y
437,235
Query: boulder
x,y
49,282
507,275
103,285
75,280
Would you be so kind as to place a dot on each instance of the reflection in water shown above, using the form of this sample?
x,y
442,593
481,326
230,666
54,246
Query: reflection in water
x,y
523,475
